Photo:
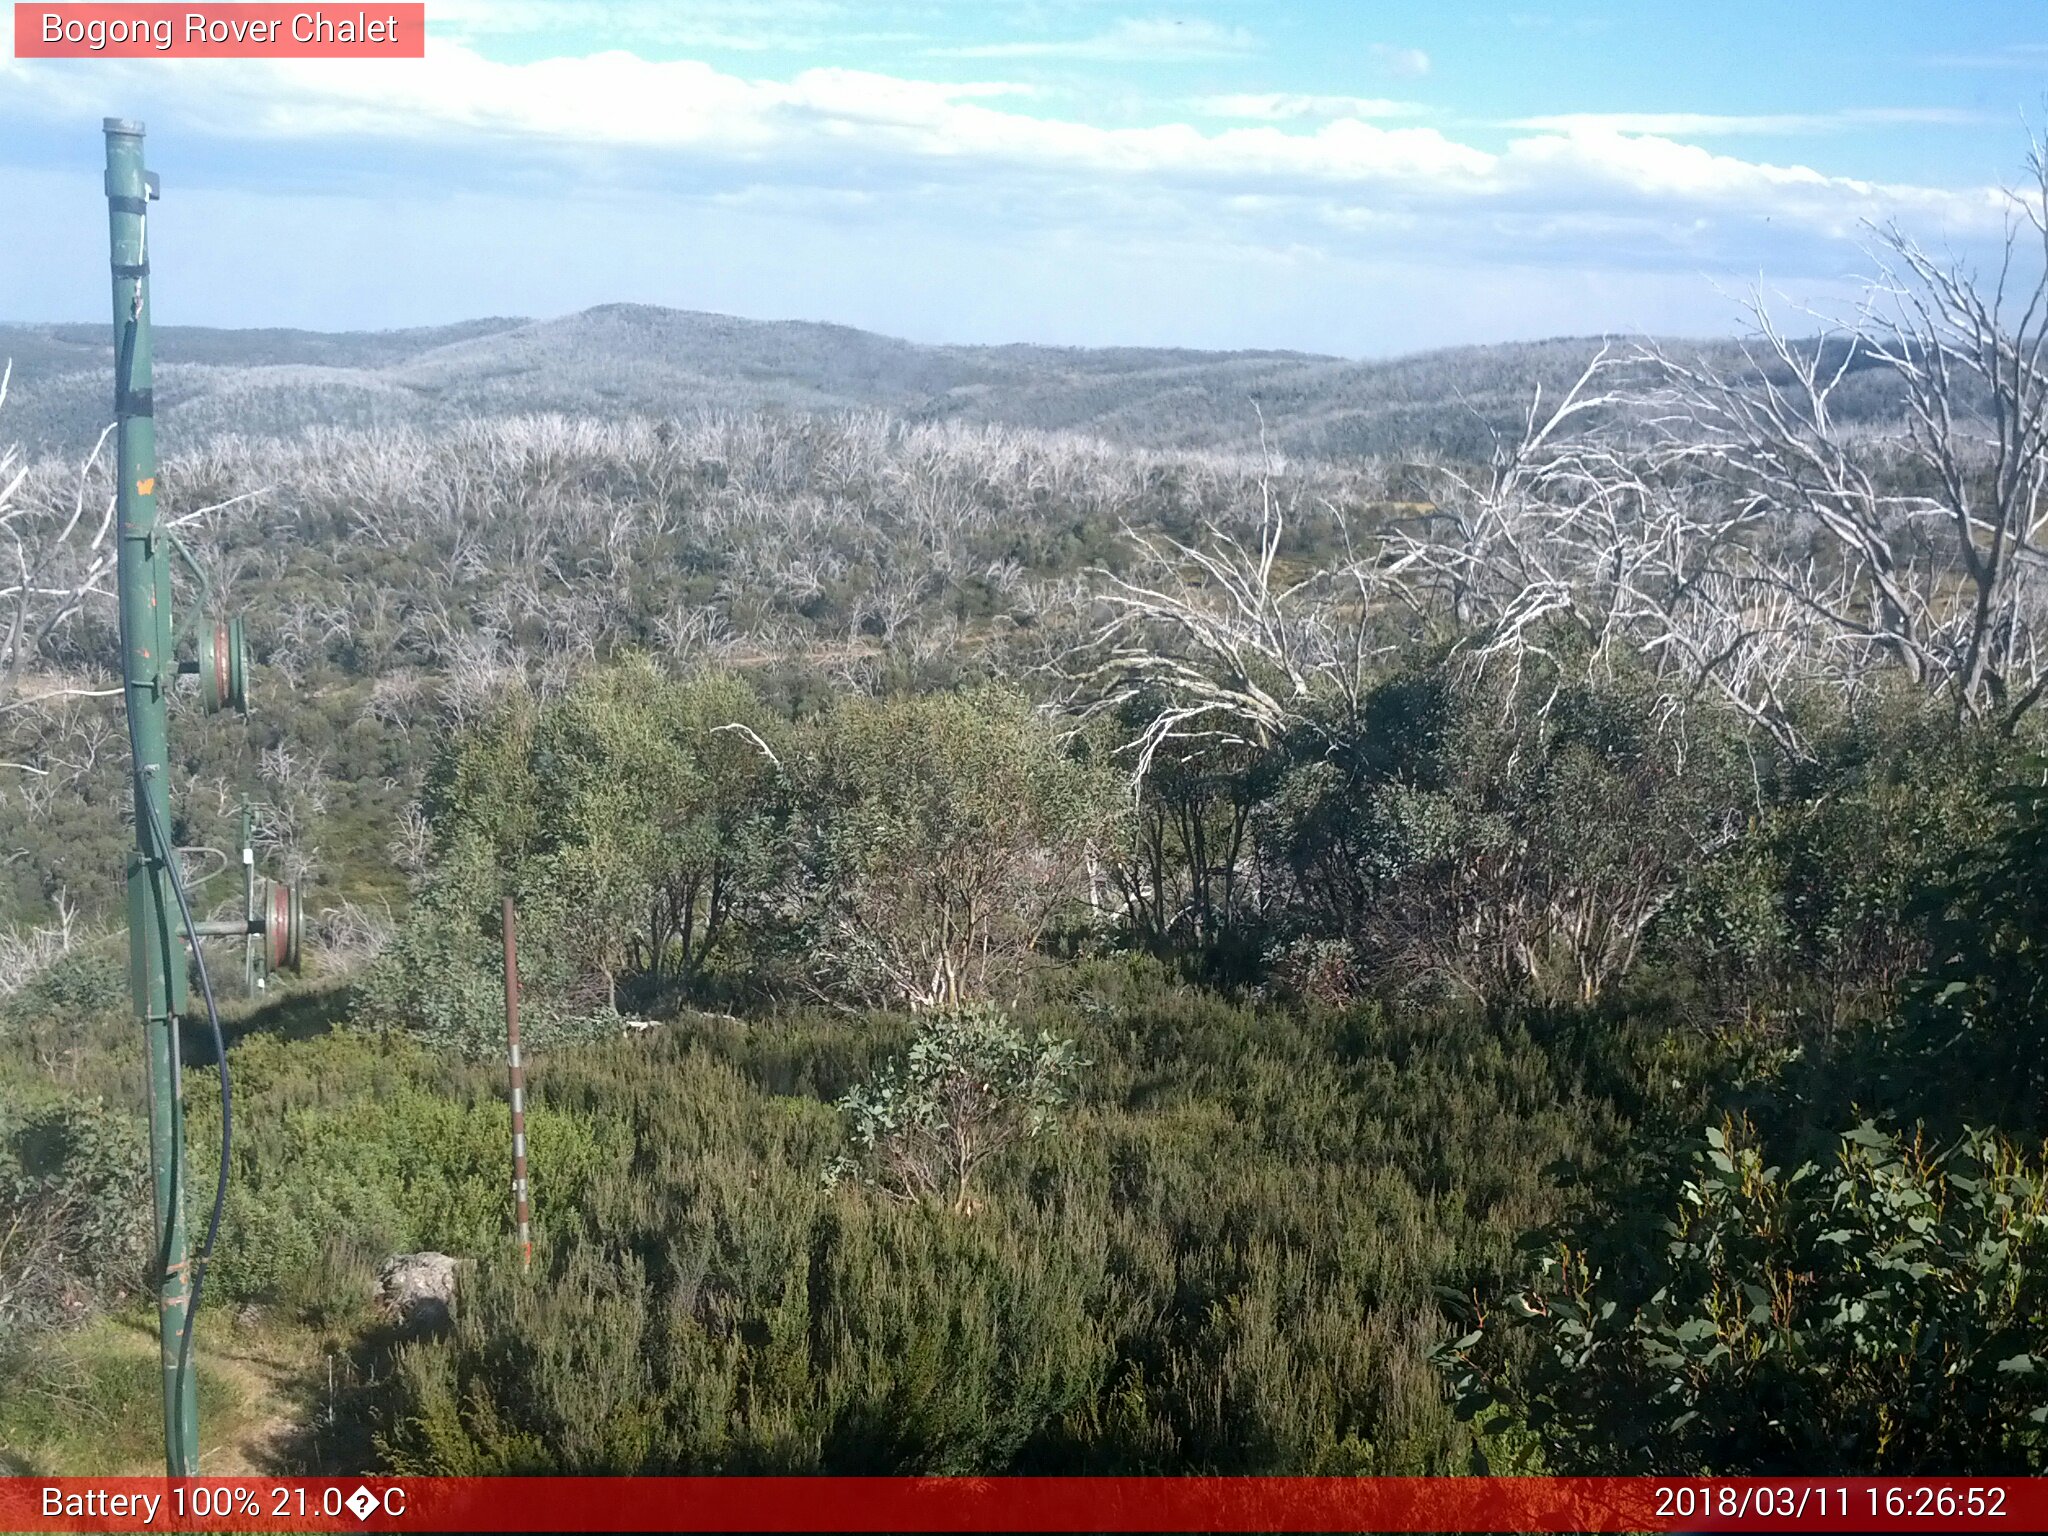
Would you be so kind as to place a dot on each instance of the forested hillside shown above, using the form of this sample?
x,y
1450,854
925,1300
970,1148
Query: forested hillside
x,y
641,360
1154,948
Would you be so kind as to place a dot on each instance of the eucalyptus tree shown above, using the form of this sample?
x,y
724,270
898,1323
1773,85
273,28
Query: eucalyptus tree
x,y
938,840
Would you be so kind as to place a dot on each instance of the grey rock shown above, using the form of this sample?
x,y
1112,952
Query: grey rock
x,y
418,1289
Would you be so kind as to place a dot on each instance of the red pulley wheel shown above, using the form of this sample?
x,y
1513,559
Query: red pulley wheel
x,y
283,917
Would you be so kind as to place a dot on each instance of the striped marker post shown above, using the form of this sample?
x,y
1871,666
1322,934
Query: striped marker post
x,y
520,1209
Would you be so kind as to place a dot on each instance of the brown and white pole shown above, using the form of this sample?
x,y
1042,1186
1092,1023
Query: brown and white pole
x,y
520,1209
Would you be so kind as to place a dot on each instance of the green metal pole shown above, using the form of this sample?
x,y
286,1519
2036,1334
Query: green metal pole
x,y
156,956
249,914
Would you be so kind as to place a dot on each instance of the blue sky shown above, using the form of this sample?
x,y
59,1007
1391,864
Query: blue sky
x,y
1331,175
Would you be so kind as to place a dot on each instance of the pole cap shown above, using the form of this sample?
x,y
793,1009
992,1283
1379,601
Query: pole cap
x,y
127,125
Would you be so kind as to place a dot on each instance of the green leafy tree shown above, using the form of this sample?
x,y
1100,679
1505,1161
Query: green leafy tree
x,y
614,775
629,823
1184,865
938,840
658,807
718,840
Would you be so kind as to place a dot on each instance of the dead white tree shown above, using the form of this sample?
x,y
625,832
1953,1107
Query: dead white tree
x,y
1579,548
1738,529
26,952
55,557
58,555
1549,535
1222,641
296,785
1919,548
350,935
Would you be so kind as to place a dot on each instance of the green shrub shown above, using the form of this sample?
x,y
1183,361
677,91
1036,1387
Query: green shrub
x,y
1225,1261
1889,1315
91,982
344,1156
74,1210
1495,839
1969,1048
1814,902
969,1087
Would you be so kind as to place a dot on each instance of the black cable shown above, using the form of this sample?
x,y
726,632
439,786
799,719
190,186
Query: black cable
x,y
160,835
227,1114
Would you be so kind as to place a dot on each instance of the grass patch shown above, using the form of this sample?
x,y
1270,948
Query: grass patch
x,y
90,1403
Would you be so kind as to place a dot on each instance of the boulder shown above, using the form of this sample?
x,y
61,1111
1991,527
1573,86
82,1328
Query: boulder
x,y
418,1289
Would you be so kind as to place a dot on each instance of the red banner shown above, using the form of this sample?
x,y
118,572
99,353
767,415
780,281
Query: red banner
x,y
1023,1504
216,31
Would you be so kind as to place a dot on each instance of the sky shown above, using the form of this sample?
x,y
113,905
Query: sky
x,y
1338,176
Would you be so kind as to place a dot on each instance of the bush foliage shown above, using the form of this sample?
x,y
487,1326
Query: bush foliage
x,y
968,1087
1227,1258
1889,1312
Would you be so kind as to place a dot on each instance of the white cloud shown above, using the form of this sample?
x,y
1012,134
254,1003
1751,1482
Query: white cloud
x,y
1660,170
619,100
1718,125
2030,56
1148,41
1275,106
1409,62
743,26
1569,185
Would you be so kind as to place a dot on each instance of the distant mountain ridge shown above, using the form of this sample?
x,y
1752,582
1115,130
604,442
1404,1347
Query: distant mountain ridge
x,y
645,360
